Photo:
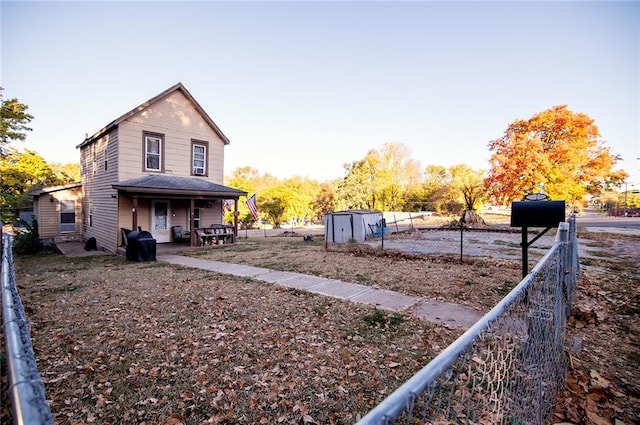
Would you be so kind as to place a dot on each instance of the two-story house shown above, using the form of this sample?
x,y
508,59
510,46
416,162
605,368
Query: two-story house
x,y
158,166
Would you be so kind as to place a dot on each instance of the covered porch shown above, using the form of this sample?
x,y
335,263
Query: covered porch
x,y
177,209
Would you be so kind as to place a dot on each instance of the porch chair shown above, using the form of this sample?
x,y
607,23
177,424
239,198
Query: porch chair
x,y
179,235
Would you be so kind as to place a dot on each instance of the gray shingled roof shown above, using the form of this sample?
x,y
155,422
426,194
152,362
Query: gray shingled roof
x,y
172,185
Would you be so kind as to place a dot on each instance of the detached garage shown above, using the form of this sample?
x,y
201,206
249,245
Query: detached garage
x,y
348,226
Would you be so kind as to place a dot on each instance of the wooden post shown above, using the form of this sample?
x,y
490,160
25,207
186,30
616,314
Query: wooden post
x,y
134,214
193,239
235,220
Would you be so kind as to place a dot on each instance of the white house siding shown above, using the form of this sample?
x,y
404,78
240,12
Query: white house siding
x,y
100,201
180,123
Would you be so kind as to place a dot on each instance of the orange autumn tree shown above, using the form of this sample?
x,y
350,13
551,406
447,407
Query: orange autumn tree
x,y
558,150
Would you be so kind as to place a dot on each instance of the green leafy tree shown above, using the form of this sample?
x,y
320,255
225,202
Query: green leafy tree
x,y
250,180
380,180
292,200
450,190
21,172
273,204
558,149
469,183
67,173
437,188
14,121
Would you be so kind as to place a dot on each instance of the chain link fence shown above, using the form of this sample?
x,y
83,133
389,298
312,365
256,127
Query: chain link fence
x,y
507,368
439,236
26,389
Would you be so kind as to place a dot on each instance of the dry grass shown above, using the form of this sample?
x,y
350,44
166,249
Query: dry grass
x,y
477,282
120,342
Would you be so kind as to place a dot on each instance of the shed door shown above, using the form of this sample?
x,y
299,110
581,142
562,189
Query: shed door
x,y
160,221
342,227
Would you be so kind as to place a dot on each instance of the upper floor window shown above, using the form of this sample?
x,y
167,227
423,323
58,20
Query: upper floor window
x,y
199,157
153,152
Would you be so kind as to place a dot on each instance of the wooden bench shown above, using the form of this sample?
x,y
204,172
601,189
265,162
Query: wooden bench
x,y
205,237
223,232
215,234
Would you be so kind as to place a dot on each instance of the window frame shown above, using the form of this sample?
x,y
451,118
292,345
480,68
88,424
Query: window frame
x,y
205,145
197,216
145,152
67,207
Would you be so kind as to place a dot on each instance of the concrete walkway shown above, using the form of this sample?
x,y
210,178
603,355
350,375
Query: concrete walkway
x,y
448,314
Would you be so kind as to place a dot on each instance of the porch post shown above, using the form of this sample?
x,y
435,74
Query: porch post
x,y
134,214
235,220
193,240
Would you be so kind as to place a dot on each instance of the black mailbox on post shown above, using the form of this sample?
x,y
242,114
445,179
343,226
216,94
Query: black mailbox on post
x,y
537,213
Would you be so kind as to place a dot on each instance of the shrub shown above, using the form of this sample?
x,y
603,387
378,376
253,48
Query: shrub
x,y
29,242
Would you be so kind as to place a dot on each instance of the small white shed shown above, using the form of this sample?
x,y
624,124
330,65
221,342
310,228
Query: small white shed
x,y
347,226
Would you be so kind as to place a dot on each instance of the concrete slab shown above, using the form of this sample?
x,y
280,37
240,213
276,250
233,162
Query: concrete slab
x,y
76,249
303,282
386,300
448,314
338,289
216,266
279,277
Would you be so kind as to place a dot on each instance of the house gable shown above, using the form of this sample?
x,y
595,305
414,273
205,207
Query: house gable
x,y
177,123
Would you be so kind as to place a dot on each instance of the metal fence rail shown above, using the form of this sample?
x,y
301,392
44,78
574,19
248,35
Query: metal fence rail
x,y
507,368
26,389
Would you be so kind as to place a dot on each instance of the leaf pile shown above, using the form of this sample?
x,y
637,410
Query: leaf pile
x,y
603,386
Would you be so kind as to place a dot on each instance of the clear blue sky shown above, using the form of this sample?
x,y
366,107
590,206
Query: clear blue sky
x,y
301,88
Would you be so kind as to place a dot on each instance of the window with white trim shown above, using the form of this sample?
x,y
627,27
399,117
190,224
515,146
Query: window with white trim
x,y
67,216
153,149
199,158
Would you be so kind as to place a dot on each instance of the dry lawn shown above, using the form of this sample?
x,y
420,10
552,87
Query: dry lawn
x,y
476,282
153,343
121,342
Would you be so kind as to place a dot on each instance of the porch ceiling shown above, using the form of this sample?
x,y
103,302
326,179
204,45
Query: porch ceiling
x,y
181,187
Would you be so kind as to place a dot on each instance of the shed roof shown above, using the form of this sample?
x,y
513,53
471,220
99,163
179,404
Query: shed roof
x,y
356,212
176,87
52,189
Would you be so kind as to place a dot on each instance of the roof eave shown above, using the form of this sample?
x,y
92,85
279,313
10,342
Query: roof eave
x,y
180,192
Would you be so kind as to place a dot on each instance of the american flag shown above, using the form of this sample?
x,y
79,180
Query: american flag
x,y
251,203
